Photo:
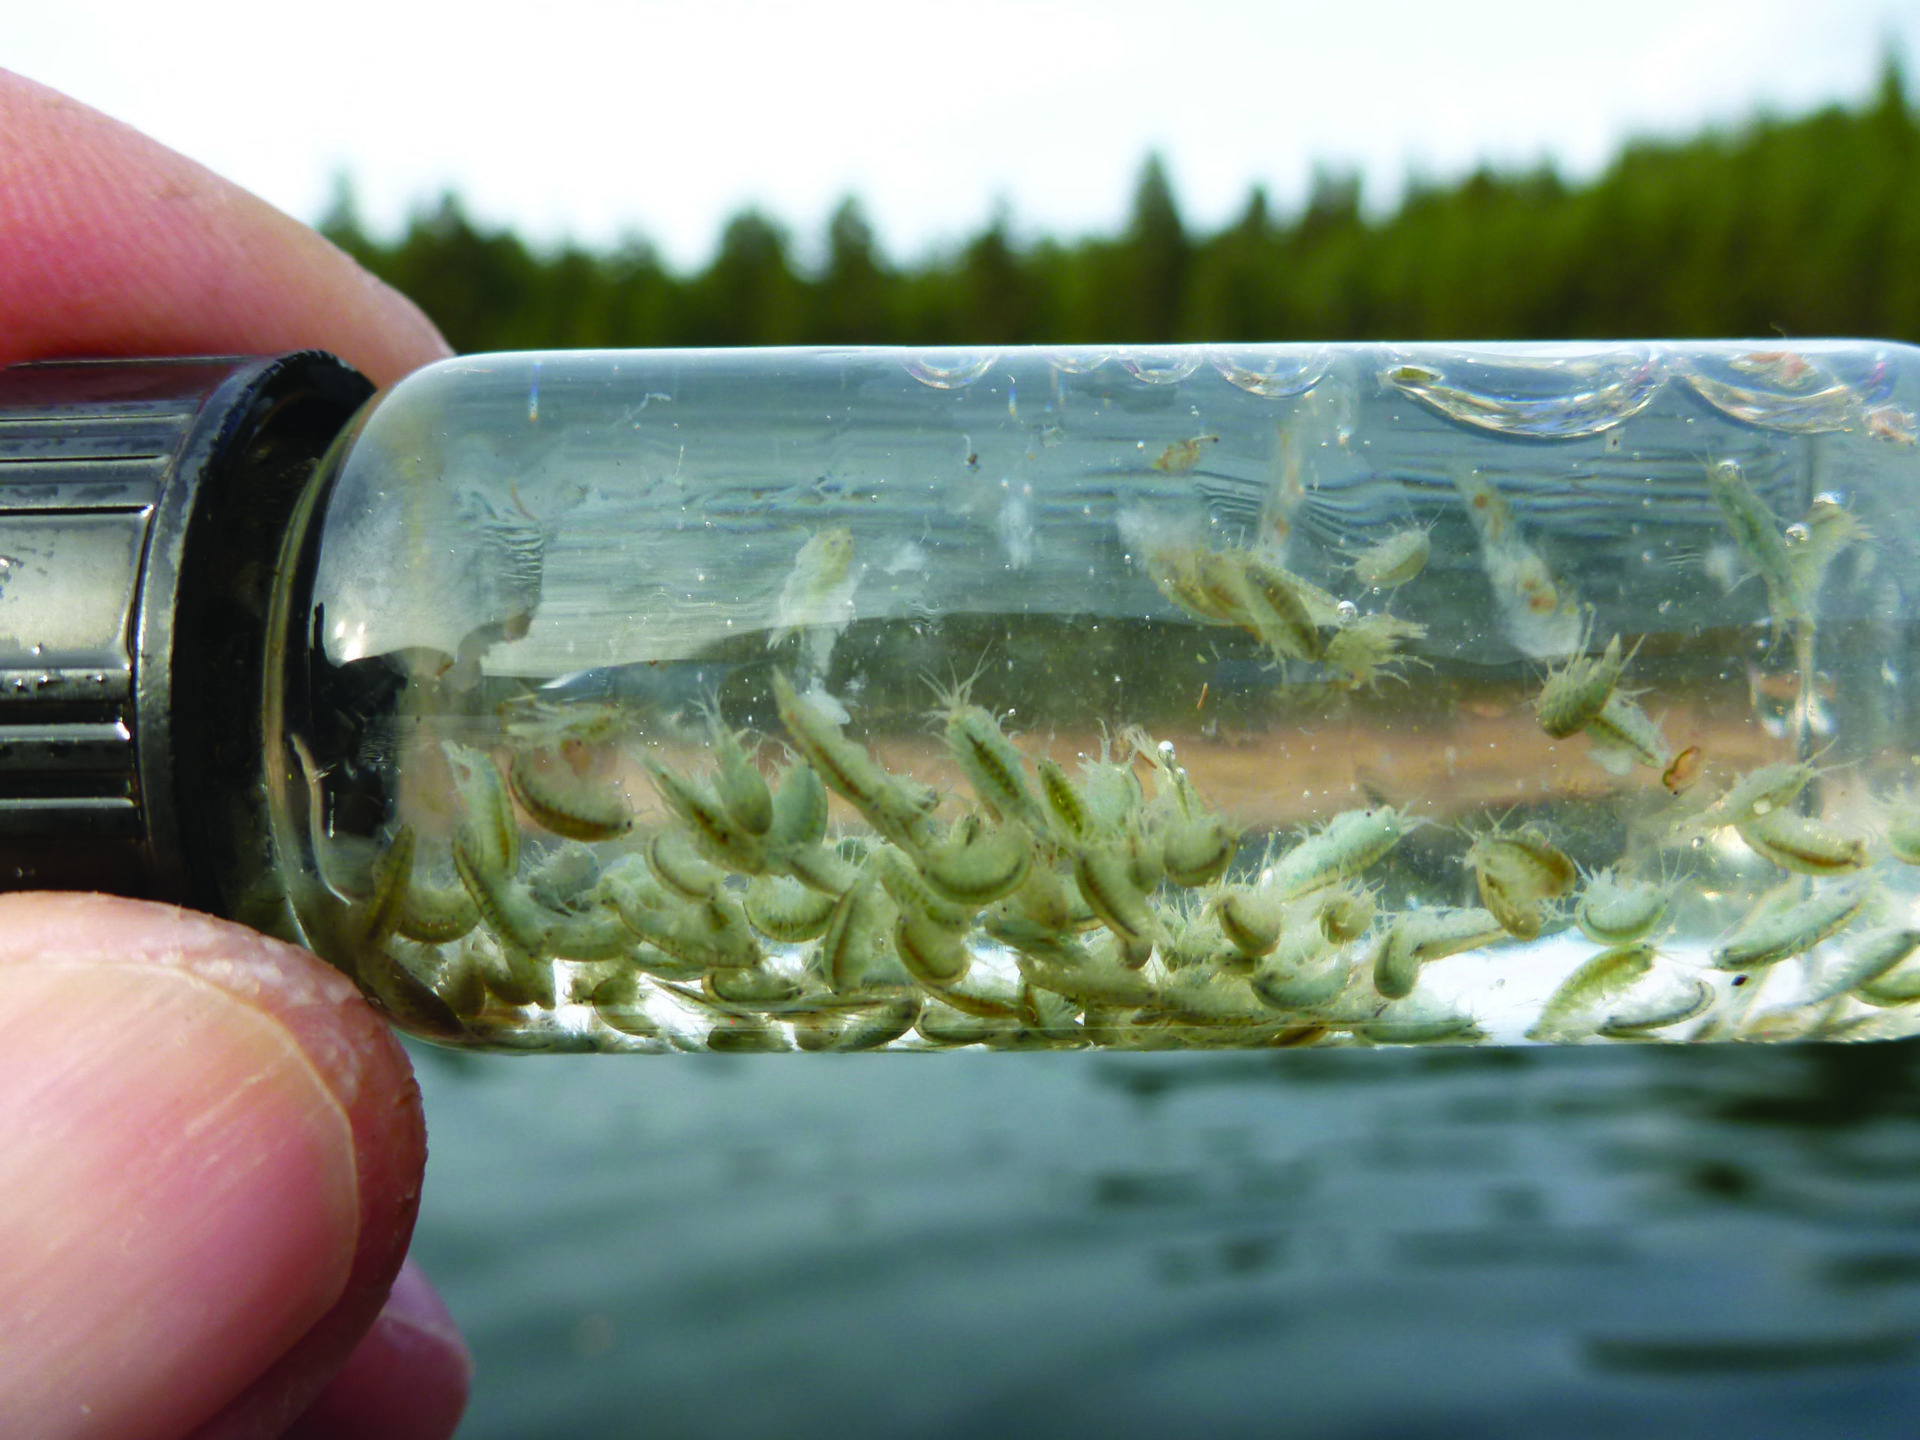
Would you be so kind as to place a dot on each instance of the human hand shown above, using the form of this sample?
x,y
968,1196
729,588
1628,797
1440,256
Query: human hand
x,y
210,1147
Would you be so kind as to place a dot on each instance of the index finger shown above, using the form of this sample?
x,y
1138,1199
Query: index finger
x,y
116,245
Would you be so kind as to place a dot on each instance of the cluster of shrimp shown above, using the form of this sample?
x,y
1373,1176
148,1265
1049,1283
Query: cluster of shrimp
x,y
1052,910
1294,618
1764,807
1049,909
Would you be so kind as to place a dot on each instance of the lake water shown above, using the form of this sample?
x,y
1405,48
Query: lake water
x,y
1693,1241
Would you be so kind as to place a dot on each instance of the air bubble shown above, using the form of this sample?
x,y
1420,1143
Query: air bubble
x,y
1274,376
1347,611
1078,361
950,369
1159,367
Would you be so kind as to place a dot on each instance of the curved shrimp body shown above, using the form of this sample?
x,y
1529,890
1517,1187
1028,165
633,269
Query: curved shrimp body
x,y
1394,560
1613,911
1107,884
1276,611
975,864
992,765
436,914
1418,937
1897,984
1518,875
1239,588
738,784
1352,841
1780,926
1576,692
1623,734
561,802
1250,919
380,915
901,810
1867,962
1607,976
709,825
799,809
1902,833
1803,845
713,934
1638,1014
1207,584
1309,985
1758,793
1828,529
1758,534
493,834
1362,652
784,910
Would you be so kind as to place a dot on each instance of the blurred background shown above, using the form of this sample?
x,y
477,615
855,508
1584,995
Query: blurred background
x,y
1354,1244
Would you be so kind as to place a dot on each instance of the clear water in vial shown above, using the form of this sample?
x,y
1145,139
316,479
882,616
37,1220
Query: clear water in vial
x,y
1270,696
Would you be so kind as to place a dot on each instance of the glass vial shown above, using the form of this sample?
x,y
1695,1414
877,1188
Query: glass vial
x,y
840,700
862,699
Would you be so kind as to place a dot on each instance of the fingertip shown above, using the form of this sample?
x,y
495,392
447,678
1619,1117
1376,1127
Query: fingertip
x,y
212,1170
407,1380
116,245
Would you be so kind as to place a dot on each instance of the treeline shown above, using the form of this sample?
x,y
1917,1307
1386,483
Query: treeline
x,y
1809,226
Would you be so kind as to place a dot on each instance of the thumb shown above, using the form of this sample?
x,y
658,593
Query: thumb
x,y
210,1158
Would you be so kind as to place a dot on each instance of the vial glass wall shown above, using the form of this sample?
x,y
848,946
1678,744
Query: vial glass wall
x,y
835,700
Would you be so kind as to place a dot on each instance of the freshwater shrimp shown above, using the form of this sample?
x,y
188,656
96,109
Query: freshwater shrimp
x,y
492,834
1395,560
899,809
1781,926
559,801
1182,455
1865,965
1540,615
992,765
1351,841
1276,611
818,590
1613,911
1366,650
1758,535
976,864
1518,874
1623,734
1417,937
1606,977
1802,844
1759,792
1815,542
1576,692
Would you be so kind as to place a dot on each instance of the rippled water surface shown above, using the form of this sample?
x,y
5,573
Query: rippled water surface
x,y
1482,1243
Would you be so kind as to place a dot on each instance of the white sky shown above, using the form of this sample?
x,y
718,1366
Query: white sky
x,y
598,119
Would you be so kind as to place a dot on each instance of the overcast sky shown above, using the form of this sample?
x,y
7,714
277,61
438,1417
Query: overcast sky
x,y
594,120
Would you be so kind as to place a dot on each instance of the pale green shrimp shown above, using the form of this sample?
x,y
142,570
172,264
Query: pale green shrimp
x,y
559,801
1395,560
1518,874
1351,842
1418,937
1366,650
1613,911
1803,844
1781,926
1758,535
